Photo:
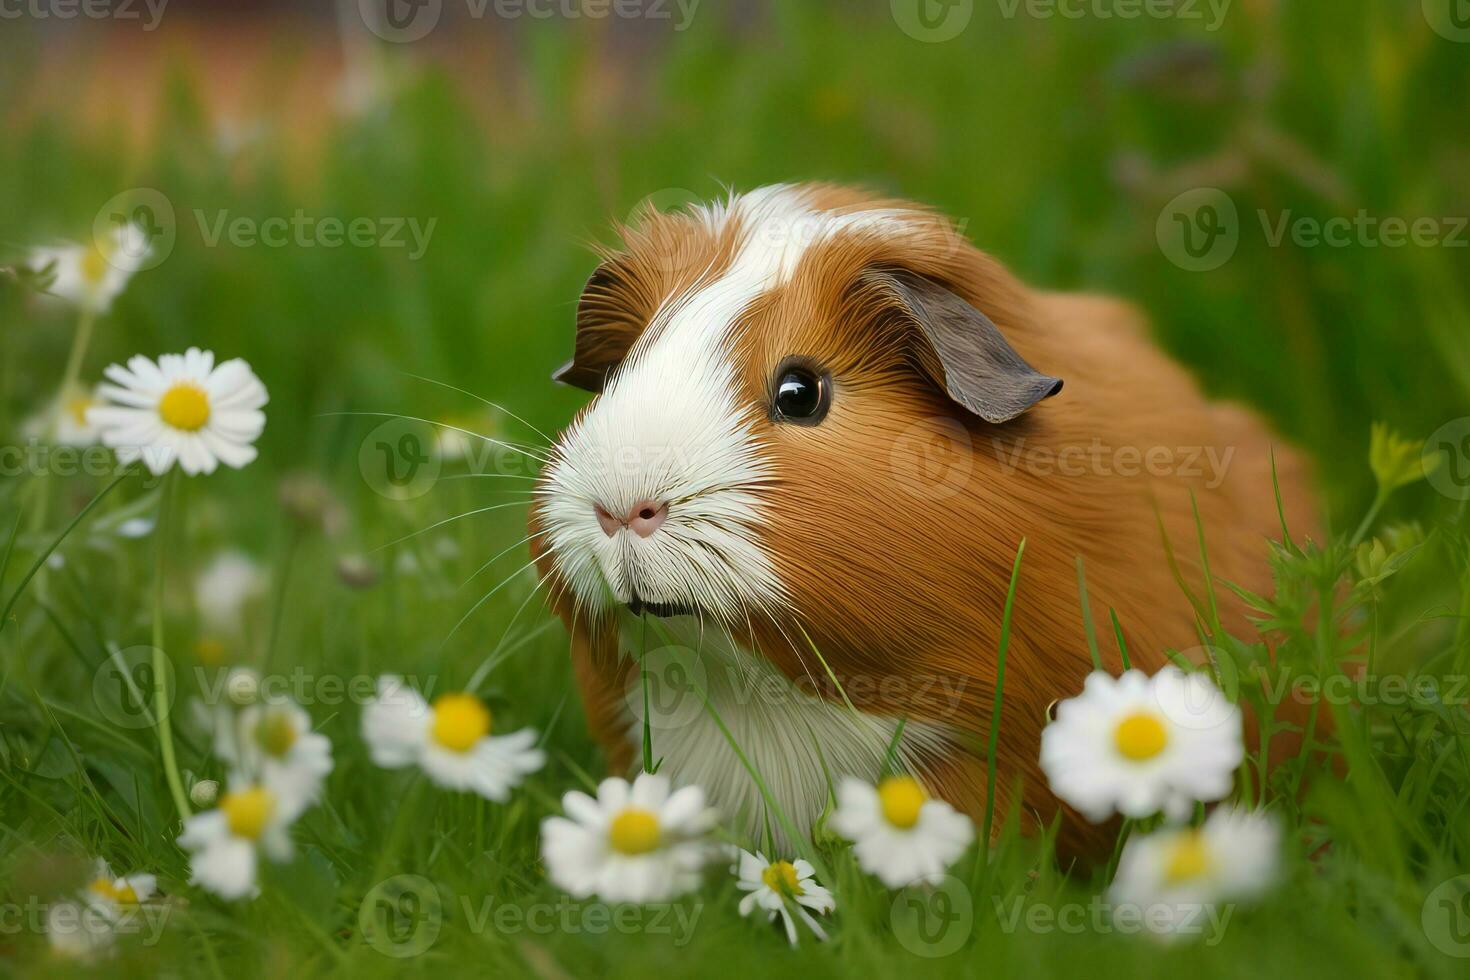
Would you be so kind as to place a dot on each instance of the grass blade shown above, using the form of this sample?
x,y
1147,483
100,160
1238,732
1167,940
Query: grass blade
x,y
1000,681
1087,626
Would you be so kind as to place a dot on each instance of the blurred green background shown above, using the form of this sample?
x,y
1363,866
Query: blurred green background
x,y
1057,142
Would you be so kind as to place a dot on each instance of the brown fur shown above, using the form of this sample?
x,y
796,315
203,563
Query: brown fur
x,y
898,558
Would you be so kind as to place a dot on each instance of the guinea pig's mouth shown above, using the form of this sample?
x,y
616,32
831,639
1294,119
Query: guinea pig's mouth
x,y
663,610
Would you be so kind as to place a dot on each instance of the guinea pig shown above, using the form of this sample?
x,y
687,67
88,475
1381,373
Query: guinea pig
x,y
823,424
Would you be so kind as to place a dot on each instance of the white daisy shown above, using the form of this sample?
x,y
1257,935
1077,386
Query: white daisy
x,y
1175,876
1137,745
182,408
84,928
226,841
78,929
91,276
900,833
65,422
638,843
222,590
449,740
783,888
274,742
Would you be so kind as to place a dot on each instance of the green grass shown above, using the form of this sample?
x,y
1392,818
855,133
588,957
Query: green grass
x,y
1025,130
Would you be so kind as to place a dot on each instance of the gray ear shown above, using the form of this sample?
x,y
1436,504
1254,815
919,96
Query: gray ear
x,y
963,351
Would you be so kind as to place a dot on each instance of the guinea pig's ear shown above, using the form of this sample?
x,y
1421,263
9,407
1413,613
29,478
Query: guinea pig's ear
x,y
961,350
608,322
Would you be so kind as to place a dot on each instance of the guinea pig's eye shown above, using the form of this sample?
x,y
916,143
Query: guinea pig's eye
x,y
800,394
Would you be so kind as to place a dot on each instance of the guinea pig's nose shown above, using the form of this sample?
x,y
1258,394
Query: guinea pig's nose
x,y
644,518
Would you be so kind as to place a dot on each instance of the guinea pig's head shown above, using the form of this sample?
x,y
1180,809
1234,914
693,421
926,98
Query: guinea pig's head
x,y
755,363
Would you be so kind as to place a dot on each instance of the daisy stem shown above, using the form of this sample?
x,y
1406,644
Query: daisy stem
x,y
160,669
81,340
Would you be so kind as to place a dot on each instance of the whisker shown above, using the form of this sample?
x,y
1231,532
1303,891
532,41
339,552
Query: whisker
x,y
486,401
484,599
491,661
443,425
449,520
502,554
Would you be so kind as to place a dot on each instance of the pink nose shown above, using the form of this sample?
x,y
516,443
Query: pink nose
x,y
644,518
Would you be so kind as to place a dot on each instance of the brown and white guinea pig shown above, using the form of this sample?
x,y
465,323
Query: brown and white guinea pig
x,y
823,424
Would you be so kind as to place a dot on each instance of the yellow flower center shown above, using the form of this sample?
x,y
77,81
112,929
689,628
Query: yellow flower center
x,y
1140,736
77,407
247,811
460,720
184,406
1189,858
634,831
901,798
209,650
94,265
109,889
275,733
781,878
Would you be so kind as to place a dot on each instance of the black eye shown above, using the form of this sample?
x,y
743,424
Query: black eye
x,y
801,394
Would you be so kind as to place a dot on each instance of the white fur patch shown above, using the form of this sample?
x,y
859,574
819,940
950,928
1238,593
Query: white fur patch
x,y
669,427
802,745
